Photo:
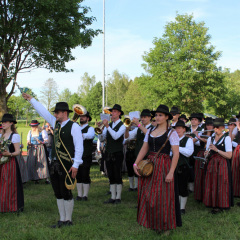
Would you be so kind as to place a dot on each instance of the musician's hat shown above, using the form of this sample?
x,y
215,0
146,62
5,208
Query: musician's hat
x,y
181,123
117,107
87,115
175,110
163,109
238,116
62,106
184,117
146,112
218,122
7,117
208,121
232,121
195,115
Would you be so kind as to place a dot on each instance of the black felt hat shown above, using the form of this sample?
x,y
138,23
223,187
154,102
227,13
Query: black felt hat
x,y
181,123
175,110
208,121
34,123
117,107
87,115
218,122
146,112
62,106
184,116
238,116
232,120
201,115
163,109
7,117
195,115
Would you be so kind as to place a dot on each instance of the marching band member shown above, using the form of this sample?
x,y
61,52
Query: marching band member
x,y
37,159
83,175
11,198
138,134
183,172
218,189
67,152
184,118
155,210
154,123
202,124
175,114
232,127
113,133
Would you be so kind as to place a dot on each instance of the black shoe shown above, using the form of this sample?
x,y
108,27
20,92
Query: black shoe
x,y
130,189
117,201
58,225
108,193
79,198
238,204
216,211
109,201
135,189
85,198
37,182
182,211
47,182
68,223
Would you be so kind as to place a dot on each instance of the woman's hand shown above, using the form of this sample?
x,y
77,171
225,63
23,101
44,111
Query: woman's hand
x,y
169,177
135,168
213,147
6,153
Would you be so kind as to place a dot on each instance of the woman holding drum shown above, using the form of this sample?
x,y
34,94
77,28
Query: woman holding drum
x,y
156,196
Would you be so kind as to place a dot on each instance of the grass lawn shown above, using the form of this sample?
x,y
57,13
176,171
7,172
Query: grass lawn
x,y
95,220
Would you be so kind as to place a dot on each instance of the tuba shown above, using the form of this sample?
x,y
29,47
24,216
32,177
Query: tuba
x,y
78,110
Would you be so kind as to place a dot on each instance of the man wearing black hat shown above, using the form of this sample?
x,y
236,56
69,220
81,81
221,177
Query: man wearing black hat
x,y
175,114
184,118
67,152
83,175
138,134
113,133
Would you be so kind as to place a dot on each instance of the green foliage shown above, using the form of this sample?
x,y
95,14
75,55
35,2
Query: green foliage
x,y
65,95
86,85
181,68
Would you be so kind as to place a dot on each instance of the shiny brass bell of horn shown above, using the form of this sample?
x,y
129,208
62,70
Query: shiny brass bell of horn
x,y
78,110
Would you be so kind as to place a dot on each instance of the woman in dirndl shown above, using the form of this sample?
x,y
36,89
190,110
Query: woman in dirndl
x,y
11,189
218,180
37,158
199,167
158,202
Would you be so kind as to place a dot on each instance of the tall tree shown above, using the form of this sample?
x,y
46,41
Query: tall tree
x,y
49,93
87,82
65,95
40,34
181,68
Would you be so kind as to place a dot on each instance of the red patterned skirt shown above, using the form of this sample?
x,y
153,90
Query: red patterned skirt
x,y
156,198
11,190
236,171
217,183
199,181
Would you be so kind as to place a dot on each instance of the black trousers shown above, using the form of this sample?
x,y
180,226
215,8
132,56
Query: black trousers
x,y
183,174
130,159
83,175
57,176
114,167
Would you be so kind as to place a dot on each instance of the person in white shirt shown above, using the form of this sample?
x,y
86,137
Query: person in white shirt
x,y
175,114
67,152
113,133
83,175
183,168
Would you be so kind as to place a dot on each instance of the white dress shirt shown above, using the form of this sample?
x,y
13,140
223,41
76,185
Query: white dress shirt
x,y
90,133
188,150
75,131
115,135
228,143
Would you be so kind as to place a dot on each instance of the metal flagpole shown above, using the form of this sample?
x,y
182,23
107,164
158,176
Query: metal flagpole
x,y
103,85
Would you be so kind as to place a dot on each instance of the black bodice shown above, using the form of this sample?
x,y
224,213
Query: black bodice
x,y
11,146
155,143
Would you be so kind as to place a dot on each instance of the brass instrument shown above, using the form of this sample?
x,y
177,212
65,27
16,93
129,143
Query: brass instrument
x,y
127,122
78,110
99,130
106,110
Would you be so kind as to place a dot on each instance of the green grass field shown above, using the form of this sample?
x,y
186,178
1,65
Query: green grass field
x,y
95,220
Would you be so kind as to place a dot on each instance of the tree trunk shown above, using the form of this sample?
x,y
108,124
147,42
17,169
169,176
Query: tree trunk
x,y
3,103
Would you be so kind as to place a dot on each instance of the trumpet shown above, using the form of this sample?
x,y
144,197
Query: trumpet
x,y
127,122
78,110
99,130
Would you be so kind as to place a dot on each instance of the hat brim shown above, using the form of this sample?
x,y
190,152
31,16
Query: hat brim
x,y
170,117
110,109
9,120
32,125
62,110
219,124
190,118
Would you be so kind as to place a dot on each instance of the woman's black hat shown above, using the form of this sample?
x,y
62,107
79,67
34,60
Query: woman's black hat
x,y
88,115
34,123
195,115
208,121
117,107
181,123
184,116
175,110
146,112
232,120
163,109
62,106
7,117
218,122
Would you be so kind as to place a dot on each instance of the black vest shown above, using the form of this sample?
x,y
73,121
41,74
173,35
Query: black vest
x,y
220,146
155,143
139,140
87,144
67,140
112,145
183,159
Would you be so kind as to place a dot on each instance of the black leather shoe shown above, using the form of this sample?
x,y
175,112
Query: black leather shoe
x,y
108,193
58,225
216,211
182,211
135,189
109,201
85,198
47,182
68,223
79,198
117,201
130,189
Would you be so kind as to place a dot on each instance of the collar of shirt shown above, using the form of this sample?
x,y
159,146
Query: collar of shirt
x,y
115,123
83,126
147,125
181,138
64,123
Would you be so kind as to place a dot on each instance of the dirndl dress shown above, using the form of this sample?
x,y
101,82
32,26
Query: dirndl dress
x,y
236,171
22,167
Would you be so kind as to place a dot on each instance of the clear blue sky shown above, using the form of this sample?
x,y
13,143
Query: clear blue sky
x,y
131,26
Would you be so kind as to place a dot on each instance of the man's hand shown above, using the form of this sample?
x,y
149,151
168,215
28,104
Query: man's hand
x,y
27,96
74,172
105,122
135,121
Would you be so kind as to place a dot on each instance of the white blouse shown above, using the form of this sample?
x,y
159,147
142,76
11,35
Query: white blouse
x,y
228,143
15,138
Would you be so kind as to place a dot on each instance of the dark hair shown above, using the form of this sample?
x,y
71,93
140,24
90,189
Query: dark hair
x,y
13,129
